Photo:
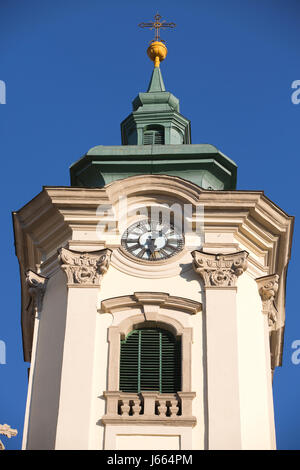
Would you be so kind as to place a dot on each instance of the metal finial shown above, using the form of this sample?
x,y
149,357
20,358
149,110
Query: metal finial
x,y
157,24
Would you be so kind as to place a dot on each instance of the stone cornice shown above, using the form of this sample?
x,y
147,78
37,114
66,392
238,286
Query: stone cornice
x,y
51,217
220,270
84,269
267,288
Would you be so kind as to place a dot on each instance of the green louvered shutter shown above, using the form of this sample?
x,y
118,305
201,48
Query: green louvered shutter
x,y
171,364
150,360
129,363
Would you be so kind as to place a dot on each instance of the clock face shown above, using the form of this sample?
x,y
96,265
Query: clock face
x,y
152,240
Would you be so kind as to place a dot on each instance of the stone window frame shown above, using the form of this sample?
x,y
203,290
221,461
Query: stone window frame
x,y
150,304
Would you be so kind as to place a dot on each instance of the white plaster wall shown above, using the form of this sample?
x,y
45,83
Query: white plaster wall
x,y
148,442
199,385
103,322
43,397
256,400
116,283
148,437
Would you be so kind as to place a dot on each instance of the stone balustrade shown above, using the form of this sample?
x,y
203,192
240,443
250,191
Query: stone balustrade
x,y
149,407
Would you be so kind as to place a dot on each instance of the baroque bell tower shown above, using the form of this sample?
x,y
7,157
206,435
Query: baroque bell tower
x,y
153,293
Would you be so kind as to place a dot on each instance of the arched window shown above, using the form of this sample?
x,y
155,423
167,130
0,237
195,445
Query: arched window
x,y
150,360
154,135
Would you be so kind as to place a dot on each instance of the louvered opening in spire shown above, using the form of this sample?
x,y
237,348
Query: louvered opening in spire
x,y
154,137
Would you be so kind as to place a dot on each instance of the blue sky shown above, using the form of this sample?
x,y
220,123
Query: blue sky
x,y
71,70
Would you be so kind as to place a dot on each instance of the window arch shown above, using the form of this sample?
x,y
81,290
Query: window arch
x,y
150,360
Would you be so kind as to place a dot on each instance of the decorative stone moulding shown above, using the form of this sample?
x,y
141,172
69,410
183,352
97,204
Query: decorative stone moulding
x,y
149,301
153,308
36,285
84,269
221,270
149,408
267,288
146,408
7,431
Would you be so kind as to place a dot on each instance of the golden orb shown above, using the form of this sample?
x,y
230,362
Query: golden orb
x,y
157,52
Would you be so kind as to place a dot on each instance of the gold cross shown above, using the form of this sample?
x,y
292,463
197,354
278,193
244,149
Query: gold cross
x,y
157,24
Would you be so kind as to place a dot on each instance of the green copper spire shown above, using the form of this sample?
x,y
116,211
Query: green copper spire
x,y
156,119
156,82
156,140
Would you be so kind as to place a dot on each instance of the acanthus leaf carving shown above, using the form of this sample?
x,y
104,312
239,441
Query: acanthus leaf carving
x,y
267,288
220,270
7,431
84,269
36,285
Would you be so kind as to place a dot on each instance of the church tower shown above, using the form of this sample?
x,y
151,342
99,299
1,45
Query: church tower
x,y
153,294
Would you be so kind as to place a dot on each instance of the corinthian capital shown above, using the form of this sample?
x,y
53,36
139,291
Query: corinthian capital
x,y
220,270
36,285
267,288
84,269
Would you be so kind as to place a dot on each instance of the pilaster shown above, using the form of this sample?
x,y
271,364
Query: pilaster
x,y
219,274
83,272
268,288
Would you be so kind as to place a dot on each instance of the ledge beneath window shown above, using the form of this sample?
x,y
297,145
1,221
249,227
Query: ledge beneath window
x,y
144,420
149,408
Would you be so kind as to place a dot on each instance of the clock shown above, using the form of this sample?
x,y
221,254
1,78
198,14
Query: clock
x,y
152,240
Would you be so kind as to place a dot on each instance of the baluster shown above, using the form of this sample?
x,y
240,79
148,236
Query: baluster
x,y
125,408
136,406
162,408
173,407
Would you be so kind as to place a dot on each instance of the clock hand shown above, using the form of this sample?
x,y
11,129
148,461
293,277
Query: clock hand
x,y
151,245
